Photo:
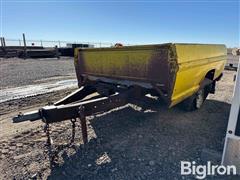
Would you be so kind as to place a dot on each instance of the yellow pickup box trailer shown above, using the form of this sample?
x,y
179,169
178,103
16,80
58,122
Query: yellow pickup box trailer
x,y
113,77
175,71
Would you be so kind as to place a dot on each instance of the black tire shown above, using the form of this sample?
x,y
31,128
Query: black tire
x,y
195,101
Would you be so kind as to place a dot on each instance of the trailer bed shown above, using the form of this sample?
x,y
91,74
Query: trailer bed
x,y
174,70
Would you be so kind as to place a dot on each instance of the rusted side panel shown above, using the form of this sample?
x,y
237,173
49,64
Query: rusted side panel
x,y
151,64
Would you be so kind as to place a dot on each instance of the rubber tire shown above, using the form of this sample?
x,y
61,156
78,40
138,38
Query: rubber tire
x,y
195,101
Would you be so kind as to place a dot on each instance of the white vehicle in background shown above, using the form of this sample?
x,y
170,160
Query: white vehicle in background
x,y
231,153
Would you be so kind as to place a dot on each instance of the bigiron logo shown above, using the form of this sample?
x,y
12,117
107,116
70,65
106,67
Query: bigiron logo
x,y
202,171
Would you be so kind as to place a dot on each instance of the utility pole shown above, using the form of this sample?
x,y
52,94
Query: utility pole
x,y
25,46
3,44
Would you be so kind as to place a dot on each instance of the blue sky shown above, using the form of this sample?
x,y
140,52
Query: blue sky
x,y
137,22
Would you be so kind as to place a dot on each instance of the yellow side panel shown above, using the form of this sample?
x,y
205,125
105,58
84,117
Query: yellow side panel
x,y
138,63
117,63
194,62
198,52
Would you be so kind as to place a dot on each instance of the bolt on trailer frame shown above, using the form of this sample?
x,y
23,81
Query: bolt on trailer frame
x,y
231,152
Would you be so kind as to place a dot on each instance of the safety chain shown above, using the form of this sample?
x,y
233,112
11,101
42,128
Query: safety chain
x,y
49,144
73,130
53,155
47,131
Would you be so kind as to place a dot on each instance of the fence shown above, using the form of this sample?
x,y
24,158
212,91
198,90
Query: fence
x,y
45,43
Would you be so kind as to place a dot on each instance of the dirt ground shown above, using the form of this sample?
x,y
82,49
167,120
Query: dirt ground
x,y
16,72
141,141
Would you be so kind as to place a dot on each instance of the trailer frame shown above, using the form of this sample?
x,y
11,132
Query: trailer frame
x,y
82,103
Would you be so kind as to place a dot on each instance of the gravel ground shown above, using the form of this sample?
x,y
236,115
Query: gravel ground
x,y
16,72
141,141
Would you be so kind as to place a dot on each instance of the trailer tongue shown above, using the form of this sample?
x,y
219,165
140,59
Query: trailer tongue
x,y
81,103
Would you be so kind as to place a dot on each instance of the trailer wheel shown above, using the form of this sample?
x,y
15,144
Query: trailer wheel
x,y
195,101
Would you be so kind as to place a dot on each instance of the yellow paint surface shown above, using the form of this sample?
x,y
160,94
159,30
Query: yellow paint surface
x,y
194,62
189,62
